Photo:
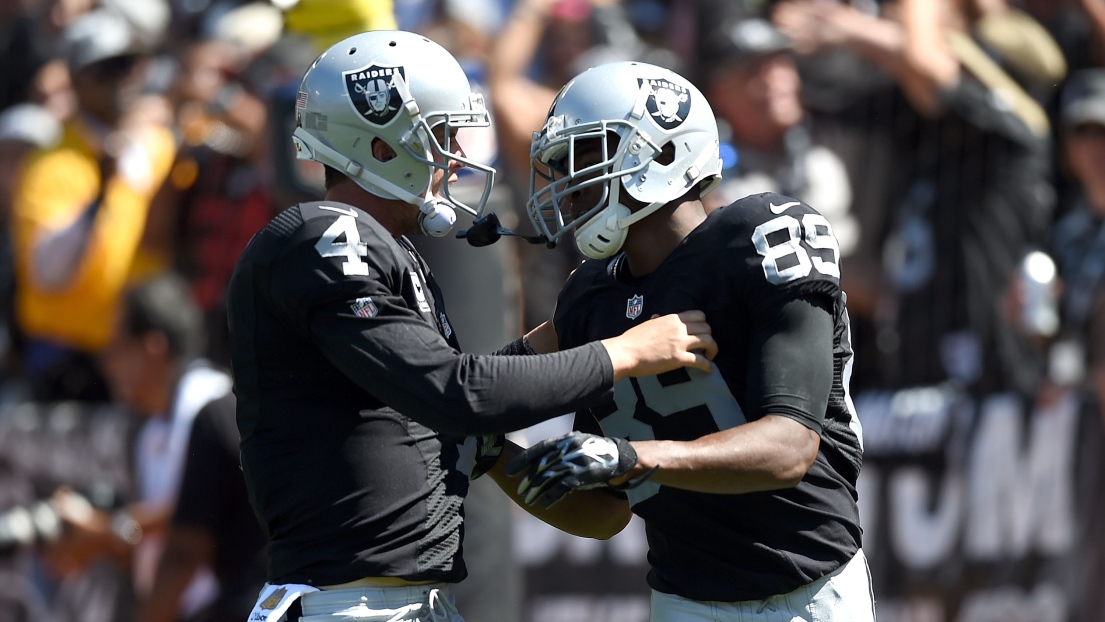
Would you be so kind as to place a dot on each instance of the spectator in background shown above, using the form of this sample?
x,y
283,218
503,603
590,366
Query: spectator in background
x,y
23,128
326,22
212,526
519,96
1078,26
152,367
79,211
218,193
30,35
970,194
1019,42
1078,239
767,143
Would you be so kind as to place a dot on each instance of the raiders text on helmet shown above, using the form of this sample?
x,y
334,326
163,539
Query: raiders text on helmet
x,y
658,139
396,87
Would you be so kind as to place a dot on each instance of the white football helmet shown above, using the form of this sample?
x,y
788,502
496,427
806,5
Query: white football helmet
x,y
666,144
396,87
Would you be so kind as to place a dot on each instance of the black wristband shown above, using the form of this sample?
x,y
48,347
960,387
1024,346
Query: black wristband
x,y
518,347
627,459
627,456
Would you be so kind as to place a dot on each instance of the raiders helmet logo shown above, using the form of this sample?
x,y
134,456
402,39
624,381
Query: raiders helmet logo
x,y
668,103
372,92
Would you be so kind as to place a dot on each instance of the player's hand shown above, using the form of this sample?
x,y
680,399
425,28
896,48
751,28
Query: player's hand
x,y
576,461
663,344
814,26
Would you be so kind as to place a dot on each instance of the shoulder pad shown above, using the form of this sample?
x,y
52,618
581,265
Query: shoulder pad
x,y
786,241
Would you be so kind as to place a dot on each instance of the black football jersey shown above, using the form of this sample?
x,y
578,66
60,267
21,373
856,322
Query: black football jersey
x,y
742,266
353,399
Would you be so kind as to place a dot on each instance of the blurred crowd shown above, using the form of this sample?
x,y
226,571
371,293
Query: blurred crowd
x,y
957,147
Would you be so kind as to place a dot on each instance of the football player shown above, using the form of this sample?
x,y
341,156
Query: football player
x,y
745,474
353,399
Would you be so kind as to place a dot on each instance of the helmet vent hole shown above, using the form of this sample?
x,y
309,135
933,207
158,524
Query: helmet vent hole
x,y
392,44
352,51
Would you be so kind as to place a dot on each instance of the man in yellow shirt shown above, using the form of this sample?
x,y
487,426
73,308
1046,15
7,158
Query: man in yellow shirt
x,y
80,210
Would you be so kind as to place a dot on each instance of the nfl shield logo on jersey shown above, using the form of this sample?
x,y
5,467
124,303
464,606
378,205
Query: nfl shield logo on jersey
x,y
634,307
364,307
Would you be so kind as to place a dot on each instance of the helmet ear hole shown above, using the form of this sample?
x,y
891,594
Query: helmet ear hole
x,y
667,154
382,151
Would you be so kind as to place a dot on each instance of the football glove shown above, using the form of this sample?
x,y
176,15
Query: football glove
x,y
577,461
488,450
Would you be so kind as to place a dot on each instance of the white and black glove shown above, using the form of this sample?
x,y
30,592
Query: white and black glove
x,y
576,461
487,450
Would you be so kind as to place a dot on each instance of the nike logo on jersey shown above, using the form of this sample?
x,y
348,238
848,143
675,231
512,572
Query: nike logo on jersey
x,y
779,209
347,212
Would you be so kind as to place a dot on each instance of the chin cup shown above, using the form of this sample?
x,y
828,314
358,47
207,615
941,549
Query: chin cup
x,y
436,218
601,236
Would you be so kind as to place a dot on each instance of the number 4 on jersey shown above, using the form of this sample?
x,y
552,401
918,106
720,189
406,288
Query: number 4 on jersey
x,y
779,242
342,239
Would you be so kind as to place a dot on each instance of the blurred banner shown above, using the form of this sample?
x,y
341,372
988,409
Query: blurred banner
x,y
973,511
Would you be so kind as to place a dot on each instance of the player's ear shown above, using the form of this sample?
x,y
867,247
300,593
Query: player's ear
x,y
382,151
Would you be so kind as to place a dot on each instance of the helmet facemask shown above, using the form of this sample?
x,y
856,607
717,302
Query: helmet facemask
x,y
421,144
565,162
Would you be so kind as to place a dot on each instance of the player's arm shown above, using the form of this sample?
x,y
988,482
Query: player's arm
x,y
912,49
543,339
201,502
187,549
519,104
790,362
598,513
771,453
790,376
405,363
348,299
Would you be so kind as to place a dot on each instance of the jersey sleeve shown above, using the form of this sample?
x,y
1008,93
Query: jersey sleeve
x,y
782,249
363,309
790,362
788,271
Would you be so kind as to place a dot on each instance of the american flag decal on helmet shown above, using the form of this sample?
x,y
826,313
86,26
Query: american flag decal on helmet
x,y
301,99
